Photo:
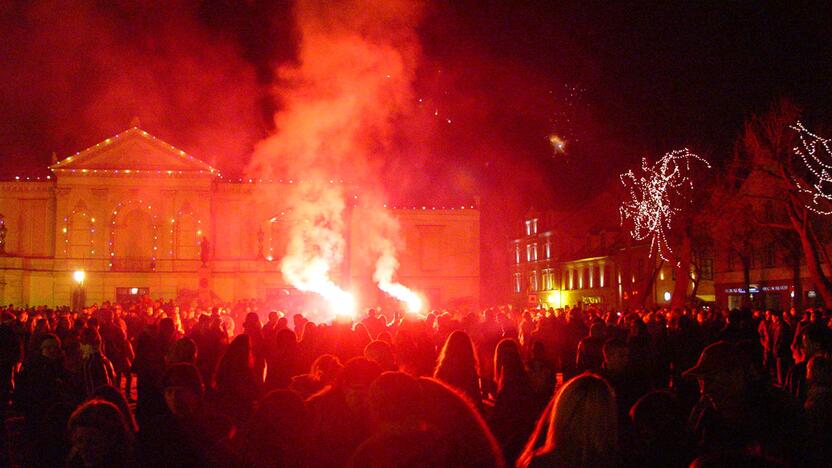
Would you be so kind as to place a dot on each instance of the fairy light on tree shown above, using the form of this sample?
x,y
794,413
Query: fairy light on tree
x,y
654,196
815,154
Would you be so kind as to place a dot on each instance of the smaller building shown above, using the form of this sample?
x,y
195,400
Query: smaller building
x,y
557,264
777,278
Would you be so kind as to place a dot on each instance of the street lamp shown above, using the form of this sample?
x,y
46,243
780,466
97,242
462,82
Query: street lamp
x,y
79,276
78,294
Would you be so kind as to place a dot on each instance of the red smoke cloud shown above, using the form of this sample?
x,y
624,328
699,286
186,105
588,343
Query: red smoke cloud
x,y
352,80
78,73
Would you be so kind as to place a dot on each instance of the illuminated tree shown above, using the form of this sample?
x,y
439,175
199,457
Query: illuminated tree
x,y
816,156
659,204
655,195
774,157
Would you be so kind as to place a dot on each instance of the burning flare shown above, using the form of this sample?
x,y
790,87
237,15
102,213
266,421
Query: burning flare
x,y
385,268
316,245
339,99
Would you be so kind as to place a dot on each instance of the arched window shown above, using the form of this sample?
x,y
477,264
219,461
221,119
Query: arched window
x,y
81,231
133,241
275,236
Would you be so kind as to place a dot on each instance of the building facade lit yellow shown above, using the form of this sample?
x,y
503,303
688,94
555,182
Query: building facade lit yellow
x,y
139,215
556,268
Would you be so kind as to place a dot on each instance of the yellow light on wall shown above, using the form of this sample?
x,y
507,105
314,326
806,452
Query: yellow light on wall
x,y
552,298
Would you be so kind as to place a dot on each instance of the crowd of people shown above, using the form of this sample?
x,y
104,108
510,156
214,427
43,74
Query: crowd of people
x,y
154,384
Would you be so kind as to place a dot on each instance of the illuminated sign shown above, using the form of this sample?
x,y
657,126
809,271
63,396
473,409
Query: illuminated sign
x,y
754,289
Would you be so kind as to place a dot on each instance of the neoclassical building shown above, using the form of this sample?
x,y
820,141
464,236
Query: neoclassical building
x,y
140,216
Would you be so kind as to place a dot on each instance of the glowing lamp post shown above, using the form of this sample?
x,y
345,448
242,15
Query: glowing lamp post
x,y
78,293
79,276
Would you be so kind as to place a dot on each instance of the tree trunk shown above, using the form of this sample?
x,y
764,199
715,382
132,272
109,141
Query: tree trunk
x,y
680,288
812,254
695,289
797,300
649,285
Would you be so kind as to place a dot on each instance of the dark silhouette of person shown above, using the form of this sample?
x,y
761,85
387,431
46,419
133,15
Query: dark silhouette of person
x,y
100,436
283,359
516,406
578,429
235,387
457,366
278,433
659,436
340,418
189,432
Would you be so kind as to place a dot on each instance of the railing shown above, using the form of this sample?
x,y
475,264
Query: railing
x,y
132,264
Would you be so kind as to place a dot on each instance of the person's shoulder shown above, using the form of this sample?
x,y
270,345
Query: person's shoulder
x,y
775,397
547,460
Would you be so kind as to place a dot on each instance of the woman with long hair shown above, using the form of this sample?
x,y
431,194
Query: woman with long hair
x,y
581,427
516,406
100,436
235,386
457,366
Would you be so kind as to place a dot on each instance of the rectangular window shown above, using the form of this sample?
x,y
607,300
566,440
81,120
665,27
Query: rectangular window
x,y
707,269
531,227
531,252
770,253
533,281
518,286
548,249
548,279
516,253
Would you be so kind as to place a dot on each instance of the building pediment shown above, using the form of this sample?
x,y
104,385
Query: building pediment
x,y
133,150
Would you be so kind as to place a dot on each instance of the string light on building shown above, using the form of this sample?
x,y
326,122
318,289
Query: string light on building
x,y
68,229
124,206
176,236
819,163
652,195
180,153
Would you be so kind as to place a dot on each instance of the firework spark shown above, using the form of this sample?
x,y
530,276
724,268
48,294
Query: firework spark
x,y
558,144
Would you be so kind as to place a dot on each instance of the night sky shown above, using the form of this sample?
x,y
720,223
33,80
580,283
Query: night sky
x,y
615,80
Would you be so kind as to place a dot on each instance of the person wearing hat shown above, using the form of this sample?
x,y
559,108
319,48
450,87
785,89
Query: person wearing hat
x,y
737,412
